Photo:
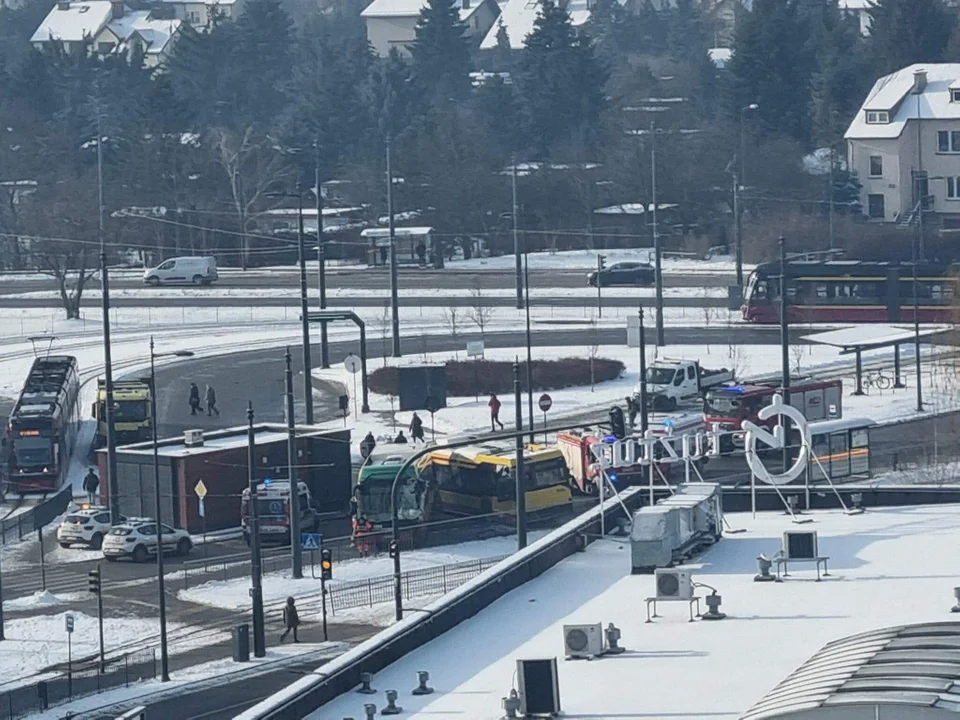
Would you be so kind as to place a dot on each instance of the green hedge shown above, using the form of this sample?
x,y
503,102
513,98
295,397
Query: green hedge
x,y
481,377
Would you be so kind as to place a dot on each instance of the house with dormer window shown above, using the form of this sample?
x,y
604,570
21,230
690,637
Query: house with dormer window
x,y
904,147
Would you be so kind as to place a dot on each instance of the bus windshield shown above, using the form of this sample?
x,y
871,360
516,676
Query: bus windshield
x,y
548,473
32,451
722,405
751,286
374,498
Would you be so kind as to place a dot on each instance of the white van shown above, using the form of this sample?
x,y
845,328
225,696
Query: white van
x,y
196,270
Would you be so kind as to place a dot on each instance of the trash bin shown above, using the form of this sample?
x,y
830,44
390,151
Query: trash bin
x,y
241,643
734,297
42,695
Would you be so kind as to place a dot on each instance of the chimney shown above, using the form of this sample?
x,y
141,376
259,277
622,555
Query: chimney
x,y
919,81
63,5
465,4
116,9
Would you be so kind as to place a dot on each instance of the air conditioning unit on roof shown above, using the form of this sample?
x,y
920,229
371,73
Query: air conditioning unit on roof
x,y
673,584
193,438
583,641
800,545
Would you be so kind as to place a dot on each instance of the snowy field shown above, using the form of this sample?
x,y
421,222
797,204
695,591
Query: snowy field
x,y
36,642
235,595
888,567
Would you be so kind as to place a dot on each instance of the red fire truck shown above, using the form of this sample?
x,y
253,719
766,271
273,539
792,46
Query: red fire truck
x,y
578,450
273,511
726,408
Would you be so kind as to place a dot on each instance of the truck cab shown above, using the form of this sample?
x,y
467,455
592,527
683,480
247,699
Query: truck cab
x,y
670,382
273,511
132,412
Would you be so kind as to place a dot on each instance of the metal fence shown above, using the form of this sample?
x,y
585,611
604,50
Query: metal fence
x,y
17,527
414,584
81,682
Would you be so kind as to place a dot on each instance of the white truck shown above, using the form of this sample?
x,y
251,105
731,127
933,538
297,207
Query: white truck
x,y
670,382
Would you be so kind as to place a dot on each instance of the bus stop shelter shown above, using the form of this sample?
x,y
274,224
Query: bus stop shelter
x,y
858,339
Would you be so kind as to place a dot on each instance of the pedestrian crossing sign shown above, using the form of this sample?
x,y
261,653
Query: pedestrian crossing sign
x,y
310,541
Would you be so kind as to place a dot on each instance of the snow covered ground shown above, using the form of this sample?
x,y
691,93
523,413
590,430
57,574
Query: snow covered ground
x,y
42,599
204,675
234,594
33,643
888,567
586,260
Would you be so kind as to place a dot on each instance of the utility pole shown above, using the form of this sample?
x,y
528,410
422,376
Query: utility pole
x,y
643,375
521,504
916,313
784,349
516,233
831,210
113,485
296,552
737,237
321,263
304,310
526,289
253,521
394,302
658,270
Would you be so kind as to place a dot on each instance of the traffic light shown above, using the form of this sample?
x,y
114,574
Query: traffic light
x,y
617,428
601,262
326,565
394,549
93,581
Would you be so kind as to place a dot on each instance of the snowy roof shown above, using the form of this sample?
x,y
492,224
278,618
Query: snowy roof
x,y
75,22
855,4
311,212
412,8
518,16
397,231
894,94
720,56
209,3
887,568
154,33
872,335
226,439
633,208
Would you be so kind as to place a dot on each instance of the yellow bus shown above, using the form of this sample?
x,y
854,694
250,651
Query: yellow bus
x,y
481,479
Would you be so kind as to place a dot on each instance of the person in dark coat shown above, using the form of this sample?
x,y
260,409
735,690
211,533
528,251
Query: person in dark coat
x,y
194,398
494,406
632,410
401,438
211,398
422,253
383,256
416,428
91,484
291,620
367,445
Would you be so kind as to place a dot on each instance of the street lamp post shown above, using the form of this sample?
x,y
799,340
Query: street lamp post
x,y
516,232
253,520
394,301
304,309
164,657
321,263
739,182
916,312
784,348
657,255
526,304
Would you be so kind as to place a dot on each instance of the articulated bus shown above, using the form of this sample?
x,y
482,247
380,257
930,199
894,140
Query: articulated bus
x,y
851,291
375,480
481,479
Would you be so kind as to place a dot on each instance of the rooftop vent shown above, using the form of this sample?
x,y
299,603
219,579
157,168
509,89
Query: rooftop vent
x,y
63,5
919,81
193,438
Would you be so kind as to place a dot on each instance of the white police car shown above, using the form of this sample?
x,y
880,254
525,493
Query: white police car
x,y
86,526
137,539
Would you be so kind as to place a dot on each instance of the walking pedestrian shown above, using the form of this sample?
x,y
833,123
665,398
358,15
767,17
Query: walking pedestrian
x,y
211,397
383,255
361,532
632,411
91,484
291,620
494,406
194,398
422,253
367,445
401,438
416,428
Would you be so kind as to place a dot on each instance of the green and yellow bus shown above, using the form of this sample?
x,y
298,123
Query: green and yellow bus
x,y
375,480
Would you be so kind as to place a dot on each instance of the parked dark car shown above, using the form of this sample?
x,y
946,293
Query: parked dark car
x,y
624,273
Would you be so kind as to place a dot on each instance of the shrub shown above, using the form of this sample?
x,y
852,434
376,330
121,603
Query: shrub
x,y
481,377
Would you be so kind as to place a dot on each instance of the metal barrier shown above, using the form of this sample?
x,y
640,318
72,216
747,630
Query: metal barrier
x,y
138,713
81,682
16,528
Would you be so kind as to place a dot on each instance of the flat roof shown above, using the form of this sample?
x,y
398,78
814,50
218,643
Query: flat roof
x,y
887,567
223,439
868,336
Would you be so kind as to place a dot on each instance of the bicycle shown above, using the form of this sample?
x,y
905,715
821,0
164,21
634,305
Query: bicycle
x,y
878,380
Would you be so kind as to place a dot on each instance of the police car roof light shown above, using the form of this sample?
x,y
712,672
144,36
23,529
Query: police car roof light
x,y
738,389
610,439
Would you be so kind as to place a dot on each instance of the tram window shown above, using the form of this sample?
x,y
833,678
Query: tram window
x,y
760,293
859,438
838,443
940,291
821,290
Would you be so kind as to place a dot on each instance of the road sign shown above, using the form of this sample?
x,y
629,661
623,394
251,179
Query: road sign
x,y
200,489
352,364
545,402
202,510
68,621
310,541
475,348
776,440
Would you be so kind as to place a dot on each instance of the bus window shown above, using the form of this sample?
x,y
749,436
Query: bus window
x,y
838,443
860,438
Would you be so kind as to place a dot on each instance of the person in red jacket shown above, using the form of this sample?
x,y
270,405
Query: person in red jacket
x,y
494,406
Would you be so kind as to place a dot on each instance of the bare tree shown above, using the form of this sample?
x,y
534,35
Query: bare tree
x,y
254,168
479,313
383,326
709,313
796,352
69,267
736,356
452,321
424,349
593,349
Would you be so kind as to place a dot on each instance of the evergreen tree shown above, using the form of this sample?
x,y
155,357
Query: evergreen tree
x,y
685,32
561,81
840,80
503,53
904,32
772,66
440,57
262,60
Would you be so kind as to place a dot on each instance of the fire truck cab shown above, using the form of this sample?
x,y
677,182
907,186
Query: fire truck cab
x,y
273,511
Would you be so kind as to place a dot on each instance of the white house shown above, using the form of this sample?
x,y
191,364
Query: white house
x,y
518,17
859,9
392,23
106,27
904,146
200,13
